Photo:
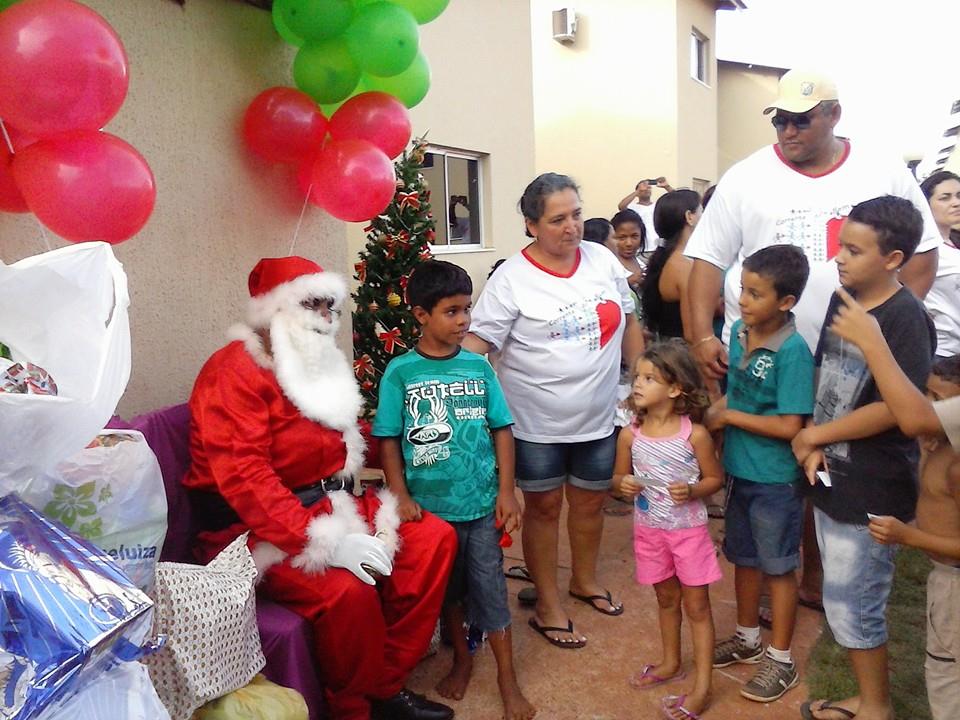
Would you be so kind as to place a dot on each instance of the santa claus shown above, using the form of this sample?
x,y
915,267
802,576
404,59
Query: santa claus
x,y
275,448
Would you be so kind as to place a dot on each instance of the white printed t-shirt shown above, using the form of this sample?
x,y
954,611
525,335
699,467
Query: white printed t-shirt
x,y
646,214
943,302
763,201
559,339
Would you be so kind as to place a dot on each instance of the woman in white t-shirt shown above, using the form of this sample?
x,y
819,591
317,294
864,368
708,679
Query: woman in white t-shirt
x,y
943,301
560,313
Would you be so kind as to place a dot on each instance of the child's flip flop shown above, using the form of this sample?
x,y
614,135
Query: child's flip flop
x,y
673,704
652,680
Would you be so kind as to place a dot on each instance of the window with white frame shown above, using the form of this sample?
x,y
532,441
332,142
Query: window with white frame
x,y
699,56
456,196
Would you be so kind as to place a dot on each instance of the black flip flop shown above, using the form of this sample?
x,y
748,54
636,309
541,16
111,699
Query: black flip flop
x,y
565,644
806,710
518,572
591,600
527,597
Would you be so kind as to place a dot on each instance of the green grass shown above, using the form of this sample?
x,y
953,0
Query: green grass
x,y
829,674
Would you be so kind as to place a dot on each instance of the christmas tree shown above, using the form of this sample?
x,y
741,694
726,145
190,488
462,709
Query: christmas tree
x,y
397,241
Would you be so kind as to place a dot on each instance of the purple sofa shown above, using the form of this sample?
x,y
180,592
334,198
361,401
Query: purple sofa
x,y
287,639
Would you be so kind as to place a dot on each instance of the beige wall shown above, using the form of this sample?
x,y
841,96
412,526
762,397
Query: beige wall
x,y
193,71
743,128
696,101
481,99
605,106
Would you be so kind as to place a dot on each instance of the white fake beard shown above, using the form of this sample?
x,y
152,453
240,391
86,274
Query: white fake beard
x,y
312,371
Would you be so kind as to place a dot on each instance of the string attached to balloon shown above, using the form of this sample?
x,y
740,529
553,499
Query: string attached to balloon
x,y
303,210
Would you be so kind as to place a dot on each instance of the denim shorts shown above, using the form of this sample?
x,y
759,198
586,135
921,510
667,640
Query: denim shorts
x,y
547,466
764,524
477,579
857,577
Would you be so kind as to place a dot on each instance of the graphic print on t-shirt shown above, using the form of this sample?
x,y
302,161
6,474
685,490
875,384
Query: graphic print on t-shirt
x,y
427,405
816,231
843,375
592,321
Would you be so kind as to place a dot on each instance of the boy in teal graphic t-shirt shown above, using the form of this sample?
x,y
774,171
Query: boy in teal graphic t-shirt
x,y
447,447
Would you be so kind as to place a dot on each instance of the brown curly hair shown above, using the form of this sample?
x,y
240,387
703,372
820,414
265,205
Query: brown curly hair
x,y
676,365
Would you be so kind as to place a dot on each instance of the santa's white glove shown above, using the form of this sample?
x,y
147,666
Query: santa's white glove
x,y
361,554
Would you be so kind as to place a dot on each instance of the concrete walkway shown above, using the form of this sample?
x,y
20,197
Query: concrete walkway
x,y
591,683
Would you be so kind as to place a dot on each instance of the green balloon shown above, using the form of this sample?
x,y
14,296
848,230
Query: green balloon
x,y
315,19
383,38
424,10
409,87
281,26
325,71
4,4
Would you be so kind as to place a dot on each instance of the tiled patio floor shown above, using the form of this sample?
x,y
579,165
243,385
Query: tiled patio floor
x,y
590,684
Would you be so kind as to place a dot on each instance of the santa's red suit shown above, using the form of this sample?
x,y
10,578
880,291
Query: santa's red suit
x,y
274,413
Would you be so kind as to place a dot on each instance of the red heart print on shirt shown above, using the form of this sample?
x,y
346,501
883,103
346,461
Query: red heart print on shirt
x,y
833,236
608,314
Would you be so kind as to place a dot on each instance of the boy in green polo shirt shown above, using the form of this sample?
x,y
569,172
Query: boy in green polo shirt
x,y
447,446
770,386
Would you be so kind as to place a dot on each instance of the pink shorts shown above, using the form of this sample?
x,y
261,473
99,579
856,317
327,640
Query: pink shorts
x,y
687,553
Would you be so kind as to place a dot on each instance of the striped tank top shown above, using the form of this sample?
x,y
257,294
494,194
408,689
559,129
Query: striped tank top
x,y
659,462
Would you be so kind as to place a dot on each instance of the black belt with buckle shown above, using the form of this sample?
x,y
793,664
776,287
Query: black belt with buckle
x,y
211,512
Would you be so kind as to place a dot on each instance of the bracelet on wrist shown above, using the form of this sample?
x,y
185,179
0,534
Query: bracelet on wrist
x,y
702,340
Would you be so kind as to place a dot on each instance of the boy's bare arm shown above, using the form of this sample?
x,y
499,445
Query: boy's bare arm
x,y
913,412
889,530
867,421
392,458
508,509
779,427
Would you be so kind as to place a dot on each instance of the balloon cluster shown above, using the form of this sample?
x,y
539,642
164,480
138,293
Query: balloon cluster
x,y
63,76
349,174
348,47
360,61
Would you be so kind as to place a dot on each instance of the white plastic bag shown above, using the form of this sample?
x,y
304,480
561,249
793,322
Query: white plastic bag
x,y
112,494
65,311
122,693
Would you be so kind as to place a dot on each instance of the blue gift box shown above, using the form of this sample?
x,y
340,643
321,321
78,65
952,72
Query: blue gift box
x,y
67,612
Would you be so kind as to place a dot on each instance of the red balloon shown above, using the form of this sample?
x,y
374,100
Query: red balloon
x,y
11,199
376,117
62,67
283,125
353,180
86,185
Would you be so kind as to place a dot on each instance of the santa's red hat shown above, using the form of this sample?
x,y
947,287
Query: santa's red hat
x,y
281,283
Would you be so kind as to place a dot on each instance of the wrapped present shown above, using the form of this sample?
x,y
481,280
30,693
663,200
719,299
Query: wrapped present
x,y
67,613
27,379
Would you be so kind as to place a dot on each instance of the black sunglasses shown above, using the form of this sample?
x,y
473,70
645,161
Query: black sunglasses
x,y
801,121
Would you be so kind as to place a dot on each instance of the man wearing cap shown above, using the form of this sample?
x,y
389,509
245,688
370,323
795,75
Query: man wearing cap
x,y
275,447
797,191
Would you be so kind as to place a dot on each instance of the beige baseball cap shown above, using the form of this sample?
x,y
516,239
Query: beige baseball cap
x,y
802,90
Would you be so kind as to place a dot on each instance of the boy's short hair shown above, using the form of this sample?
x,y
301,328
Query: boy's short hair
x,y
434,280
786,266
947,369
897,223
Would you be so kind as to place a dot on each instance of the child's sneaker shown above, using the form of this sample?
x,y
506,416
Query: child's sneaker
x,y
772,680
734,649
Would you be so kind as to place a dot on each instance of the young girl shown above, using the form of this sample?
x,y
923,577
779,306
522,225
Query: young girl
x,y
667,463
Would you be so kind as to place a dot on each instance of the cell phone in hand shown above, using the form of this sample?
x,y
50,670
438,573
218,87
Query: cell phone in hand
x,y
824,477
652,181
871,516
